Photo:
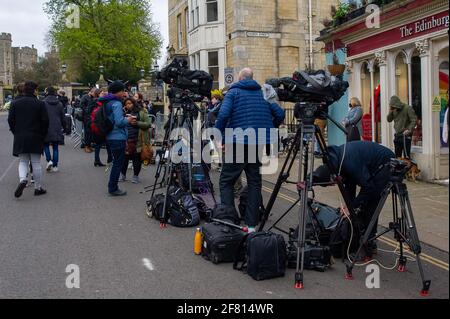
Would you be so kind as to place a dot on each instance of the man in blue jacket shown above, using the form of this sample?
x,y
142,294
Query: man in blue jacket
x,y
363,164
245,108
117,138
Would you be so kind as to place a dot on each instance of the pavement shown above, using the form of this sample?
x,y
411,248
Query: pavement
x,y
430,205
120,253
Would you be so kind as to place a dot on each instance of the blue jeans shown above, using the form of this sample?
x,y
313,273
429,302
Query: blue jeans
x,y
48,156
118,154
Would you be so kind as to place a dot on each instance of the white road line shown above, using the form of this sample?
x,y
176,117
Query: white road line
x,y
8,169
148,264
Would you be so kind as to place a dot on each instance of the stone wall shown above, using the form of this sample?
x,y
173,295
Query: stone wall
x,y
177,8
272,37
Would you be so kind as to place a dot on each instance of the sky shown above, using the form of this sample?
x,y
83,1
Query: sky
x,y
28,24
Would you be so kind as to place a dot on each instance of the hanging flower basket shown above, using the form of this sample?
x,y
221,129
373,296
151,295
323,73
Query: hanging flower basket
x,y
336,69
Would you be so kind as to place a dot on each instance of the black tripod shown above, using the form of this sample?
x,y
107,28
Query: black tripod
x,y
304,143
403,224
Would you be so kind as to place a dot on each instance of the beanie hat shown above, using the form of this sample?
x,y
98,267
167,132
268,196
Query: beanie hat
x,y
116,87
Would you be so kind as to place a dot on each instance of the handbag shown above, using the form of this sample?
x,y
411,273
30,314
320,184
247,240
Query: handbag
x,y
147,152
353,133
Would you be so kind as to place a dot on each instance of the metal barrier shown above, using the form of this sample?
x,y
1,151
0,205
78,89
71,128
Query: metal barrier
x,y
160,121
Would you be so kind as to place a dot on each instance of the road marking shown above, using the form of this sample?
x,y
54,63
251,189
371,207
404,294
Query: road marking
x,y
148,264
8,169
436,262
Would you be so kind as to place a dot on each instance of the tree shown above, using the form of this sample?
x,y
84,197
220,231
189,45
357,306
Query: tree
x,y
118,34
45,72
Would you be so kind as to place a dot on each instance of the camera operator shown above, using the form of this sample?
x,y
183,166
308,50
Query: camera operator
x,y
244,107
405,120
363,164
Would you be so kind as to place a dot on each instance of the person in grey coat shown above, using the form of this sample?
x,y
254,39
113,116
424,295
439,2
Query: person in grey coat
x,y
55,136
353,121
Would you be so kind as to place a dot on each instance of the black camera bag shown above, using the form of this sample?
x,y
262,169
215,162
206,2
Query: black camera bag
x,y
220,243
265,255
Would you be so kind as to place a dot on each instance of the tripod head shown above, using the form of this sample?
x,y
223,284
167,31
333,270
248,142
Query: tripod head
x,y
398,169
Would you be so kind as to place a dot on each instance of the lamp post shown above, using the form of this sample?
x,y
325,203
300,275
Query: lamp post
x,y
101,81
64,73
142,74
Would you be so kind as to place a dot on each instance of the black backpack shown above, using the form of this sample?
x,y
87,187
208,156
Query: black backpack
x,y
102,123
341,236
265,255
226,213
182,209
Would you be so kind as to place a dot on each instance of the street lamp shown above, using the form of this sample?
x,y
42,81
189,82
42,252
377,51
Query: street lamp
x,y
64,71
156,67
142,73
101,81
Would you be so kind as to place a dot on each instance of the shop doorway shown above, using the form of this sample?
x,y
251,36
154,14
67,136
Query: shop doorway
x,y
416,91
443,92
366,100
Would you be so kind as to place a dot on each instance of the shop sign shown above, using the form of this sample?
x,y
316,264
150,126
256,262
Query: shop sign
x,y
424,25
436,106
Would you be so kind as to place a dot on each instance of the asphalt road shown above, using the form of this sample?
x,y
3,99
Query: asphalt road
x,y
123,254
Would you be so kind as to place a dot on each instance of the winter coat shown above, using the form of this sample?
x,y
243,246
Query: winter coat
x,y
56,117
360,167
86,104
244,107
403,116
354,117
28,121
144,124
114,111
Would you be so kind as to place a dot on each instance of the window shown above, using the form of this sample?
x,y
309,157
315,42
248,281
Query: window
x,y
186,16
213,67
212,14
194,14
180,32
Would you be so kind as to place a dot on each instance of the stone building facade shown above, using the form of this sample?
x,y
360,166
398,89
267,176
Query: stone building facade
x,y
178,26
6,59
24,58
273,37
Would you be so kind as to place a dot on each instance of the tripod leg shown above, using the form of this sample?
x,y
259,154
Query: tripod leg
x,y
299,283
283,176
368,232
411,233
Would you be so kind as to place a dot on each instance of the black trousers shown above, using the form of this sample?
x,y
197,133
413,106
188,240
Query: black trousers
x,y
402,144
137,164
228,178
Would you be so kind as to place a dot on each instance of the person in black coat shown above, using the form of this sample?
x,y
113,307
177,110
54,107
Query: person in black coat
x,y
364,164
28,121
55,136
87,103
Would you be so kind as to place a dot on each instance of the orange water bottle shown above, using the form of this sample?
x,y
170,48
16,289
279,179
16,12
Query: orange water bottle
x,y
198,241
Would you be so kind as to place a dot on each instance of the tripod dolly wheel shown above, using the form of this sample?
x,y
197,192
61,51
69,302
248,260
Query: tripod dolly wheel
x,y
163,225
299,281
426,288
402,264
349,273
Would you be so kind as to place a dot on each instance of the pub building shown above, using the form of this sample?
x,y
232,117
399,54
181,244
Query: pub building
x,y
405,54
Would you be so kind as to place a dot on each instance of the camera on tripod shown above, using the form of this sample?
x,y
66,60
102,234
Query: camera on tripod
x,y
312,92
187,87
178,75
398,168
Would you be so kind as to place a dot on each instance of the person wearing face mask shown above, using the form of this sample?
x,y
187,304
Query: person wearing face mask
x,y
352,121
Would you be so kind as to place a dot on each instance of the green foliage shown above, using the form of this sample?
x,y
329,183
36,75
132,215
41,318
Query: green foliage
x,y
341,11
118,34
45,73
